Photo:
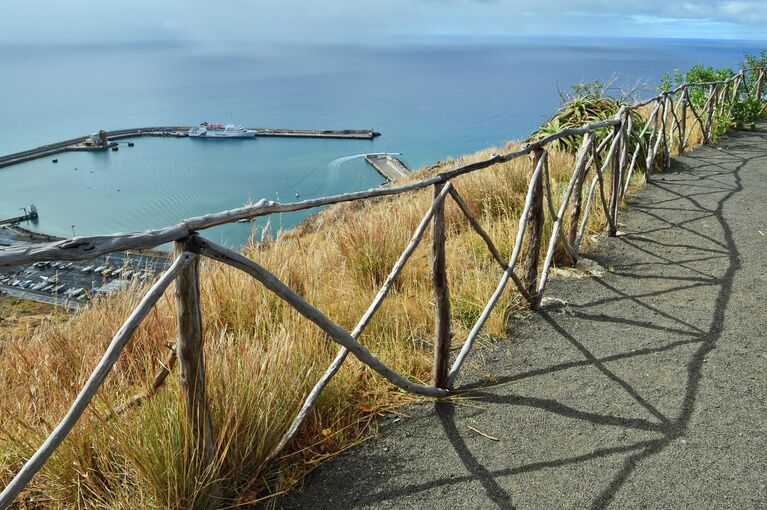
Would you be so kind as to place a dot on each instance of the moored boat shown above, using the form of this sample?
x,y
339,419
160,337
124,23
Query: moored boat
x,y
206,130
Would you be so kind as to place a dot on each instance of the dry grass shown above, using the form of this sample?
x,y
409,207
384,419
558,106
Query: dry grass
x,y
262,356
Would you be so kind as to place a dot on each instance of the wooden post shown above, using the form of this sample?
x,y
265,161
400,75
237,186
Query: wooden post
x,y
663,127
441,295
725,97
616,181
683,120
652,148
628,126
759,84
191,360
710,114
575,211
736,88
534,228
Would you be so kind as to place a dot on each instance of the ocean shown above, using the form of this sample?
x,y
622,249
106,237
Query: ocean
x,y
431,100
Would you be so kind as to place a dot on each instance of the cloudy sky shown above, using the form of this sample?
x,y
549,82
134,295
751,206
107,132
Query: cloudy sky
x,y
221,22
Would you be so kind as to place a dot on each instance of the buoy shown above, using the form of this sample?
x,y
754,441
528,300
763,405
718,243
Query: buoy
x,y
115,148
131,144
55,160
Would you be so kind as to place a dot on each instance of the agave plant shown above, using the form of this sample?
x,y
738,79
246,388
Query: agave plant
x,y
586,109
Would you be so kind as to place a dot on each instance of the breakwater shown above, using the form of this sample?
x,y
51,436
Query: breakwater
x,y
73,144
388,165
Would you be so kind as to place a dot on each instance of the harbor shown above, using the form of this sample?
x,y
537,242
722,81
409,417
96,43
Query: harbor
x,y
388,165
104,140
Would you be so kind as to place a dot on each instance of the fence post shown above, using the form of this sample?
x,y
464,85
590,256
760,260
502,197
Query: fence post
x,y
736,87
191,360
725,98
627,126
663,127
759,84
575,211
710,114
441,295
615,185
534,229
683,120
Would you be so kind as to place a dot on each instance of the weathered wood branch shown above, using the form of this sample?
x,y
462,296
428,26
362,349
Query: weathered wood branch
x,y
157,382
683,121
639,147
709,109
442,334
489,242
85,248
95,380
587,212
697,121
558,226
600,174
535,219
552,212
667,105
582,163
660,141
333,330
523,219
388,284
191,357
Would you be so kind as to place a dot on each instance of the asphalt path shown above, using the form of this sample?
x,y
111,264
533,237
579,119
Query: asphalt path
x,y
644,386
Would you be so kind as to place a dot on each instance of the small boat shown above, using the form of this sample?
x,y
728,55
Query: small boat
x,y
206,130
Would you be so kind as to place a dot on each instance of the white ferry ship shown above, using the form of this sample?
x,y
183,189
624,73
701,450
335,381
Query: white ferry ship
x,y
206,130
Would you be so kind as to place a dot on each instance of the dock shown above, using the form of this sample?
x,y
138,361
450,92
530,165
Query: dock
x,y
388,165
353,134
80,143
29,214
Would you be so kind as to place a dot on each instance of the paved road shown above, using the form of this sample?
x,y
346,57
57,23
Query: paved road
x,y
643,388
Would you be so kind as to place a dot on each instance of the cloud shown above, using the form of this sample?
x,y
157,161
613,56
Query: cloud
x,y
237,22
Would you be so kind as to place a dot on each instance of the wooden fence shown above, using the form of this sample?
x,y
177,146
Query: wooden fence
x,y
667,133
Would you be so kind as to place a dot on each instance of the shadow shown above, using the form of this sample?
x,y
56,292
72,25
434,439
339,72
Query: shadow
x,y
446,414
719,173
704,340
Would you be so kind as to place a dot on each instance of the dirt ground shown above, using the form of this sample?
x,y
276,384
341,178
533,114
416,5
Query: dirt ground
x,y
644,387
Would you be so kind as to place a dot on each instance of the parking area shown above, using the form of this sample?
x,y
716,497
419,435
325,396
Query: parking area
x,y
73,284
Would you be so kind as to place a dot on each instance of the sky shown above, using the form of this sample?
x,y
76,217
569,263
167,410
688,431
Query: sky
x,y
273,22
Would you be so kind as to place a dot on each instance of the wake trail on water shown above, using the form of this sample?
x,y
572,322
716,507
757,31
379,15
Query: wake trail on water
x,y
335,165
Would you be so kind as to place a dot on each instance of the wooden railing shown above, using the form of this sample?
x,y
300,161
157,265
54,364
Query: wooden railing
x,y
667,133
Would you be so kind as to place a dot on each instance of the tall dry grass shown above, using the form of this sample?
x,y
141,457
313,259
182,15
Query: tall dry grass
x,y
262,356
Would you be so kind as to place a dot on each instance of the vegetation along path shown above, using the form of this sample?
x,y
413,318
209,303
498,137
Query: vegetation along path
x,y
642,386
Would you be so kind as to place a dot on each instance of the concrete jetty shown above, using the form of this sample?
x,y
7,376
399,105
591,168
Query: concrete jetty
x,y
29,214
79,143
388,165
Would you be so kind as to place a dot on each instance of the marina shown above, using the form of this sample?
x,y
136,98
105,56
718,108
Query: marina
x,y
82,143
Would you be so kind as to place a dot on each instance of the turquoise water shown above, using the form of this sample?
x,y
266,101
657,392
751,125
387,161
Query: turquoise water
x,y
430,100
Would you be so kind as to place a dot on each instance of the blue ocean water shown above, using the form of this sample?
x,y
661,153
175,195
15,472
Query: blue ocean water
x,y
430,99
